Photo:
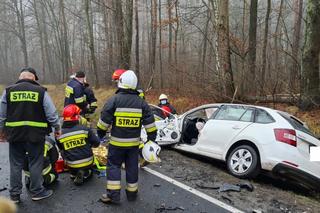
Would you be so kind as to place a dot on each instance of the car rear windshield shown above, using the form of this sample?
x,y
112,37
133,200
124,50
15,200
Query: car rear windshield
x,y
296,123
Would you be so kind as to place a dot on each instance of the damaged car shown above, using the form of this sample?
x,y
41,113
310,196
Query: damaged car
x,y
248,138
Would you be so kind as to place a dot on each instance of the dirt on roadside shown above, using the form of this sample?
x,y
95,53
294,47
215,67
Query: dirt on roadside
x,y
269,195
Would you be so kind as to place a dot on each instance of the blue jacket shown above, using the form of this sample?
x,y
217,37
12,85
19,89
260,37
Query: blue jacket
x,y
74,94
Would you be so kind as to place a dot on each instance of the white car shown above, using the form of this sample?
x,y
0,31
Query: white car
x,y
248,138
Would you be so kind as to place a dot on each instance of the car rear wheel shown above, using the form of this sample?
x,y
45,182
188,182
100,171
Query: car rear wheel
x,y
243,162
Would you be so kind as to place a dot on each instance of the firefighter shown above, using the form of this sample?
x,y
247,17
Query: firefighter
x,y
27,114
76,142
125,112
115,78
51,155
166,106
74,91
90,99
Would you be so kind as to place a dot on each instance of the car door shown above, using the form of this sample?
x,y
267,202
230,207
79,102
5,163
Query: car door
x,y
227,123
167,129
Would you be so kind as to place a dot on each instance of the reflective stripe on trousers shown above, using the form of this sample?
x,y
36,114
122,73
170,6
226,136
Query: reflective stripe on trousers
x,y
117,156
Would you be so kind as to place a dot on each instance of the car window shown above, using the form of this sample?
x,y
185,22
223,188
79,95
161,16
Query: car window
x,y
263,117
197,114
209,111
233,113
247,116
296,123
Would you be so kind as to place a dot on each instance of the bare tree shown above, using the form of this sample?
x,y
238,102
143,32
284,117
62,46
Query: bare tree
x,y
137,39
224,48
21,32
128,32
252,44
295,68
310,60
91,42
264,49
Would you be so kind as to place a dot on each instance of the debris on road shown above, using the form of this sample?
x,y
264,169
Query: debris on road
x,y
226,187
163,208
207,186
247,186
157,185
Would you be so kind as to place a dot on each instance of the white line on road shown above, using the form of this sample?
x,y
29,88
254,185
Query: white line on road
x,y
193,191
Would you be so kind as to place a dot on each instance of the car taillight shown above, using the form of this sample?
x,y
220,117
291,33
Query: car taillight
x,y
286,136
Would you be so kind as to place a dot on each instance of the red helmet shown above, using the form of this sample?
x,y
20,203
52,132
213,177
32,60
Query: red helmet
x,y
166,110
71,113
117,73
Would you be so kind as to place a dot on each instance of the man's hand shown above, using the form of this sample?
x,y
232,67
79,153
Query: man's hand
x,y
3,137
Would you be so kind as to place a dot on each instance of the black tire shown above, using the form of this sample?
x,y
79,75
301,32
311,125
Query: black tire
x,y
250,172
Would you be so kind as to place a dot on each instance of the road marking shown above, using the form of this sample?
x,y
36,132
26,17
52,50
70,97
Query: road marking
x,y
193,191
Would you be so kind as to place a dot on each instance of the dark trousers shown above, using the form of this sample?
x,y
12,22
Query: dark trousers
x,y
117,156
17,155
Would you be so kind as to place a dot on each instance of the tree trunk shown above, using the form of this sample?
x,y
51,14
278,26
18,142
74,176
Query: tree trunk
x,y
153,40
137,40
310,59
224,48
21,29
40,34
91,42
252,45
176,73
277,40
169,6
65,43
264,49
128,33
294,70
119,25
160,47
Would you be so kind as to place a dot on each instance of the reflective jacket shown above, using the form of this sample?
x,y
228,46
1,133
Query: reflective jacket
x,y
172,109
50,154
76,142
90,99
126,112
26,118
74,94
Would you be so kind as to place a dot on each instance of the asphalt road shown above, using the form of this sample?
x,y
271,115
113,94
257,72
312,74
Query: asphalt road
x,y
155,195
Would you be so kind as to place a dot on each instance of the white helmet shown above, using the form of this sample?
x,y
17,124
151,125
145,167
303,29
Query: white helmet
x,y
150,152
128,80
163,96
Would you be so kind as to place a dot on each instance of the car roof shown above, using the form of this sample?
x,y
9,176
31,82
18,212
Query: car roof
x,y
229,104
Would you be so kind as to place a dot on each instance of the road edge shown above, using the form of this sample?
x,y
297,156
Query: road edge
x,y
193,191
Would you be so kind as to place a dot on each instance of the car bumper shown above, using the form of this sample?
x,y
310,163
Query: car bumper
x,y
296,175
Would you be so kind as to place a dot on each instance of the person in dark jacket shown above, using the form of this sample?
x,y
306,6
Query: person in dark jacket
x,y
91,101
125,113
76,142
27,115
51,155
74,91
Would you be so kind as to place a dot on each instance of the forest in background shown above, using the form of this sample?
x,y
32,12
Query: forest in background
x,y
227,50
